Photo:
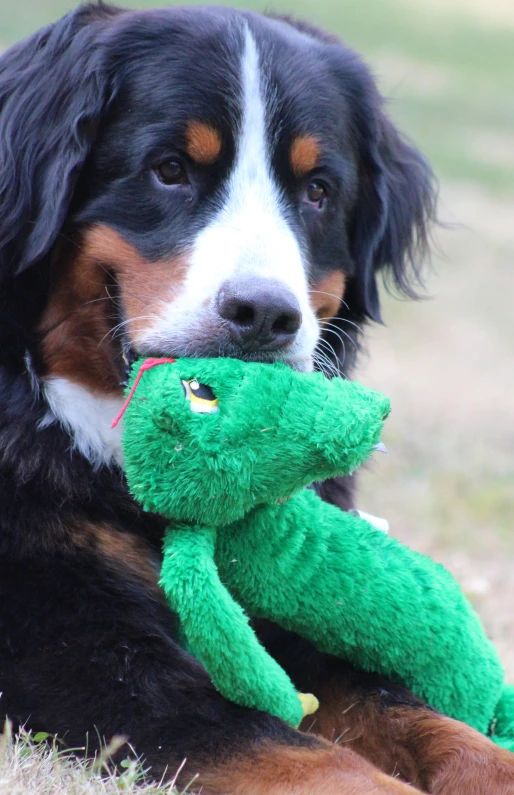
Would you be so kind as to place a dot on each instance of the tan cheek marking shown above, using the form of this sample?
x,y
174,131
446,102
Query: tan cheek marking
x,y
203,143
77,325
327,294
146,288
304,155
75,328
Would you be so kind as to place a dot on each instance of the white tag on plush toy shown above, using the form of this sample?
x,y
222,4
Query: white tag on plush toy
x,y
376,521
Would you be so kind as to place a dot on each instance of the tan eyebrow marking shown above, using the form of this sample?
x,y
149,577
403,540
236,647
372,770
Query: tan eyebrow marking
x,y
203,143
304,154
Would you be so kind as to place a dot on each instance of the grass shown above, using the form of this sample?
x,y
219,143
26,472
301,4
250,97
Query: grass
x,y
447,67
41,764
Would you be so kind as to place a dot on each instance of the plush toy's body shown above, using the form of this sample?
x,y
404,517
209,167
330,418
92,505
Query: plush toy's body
x,y
224,449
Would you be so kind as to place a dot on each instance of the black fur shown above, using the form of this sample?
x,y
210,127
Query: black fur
x,y
85,647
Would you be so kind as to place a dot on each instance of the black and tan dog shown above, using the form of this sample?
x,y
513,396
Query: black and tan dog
x,y
186,182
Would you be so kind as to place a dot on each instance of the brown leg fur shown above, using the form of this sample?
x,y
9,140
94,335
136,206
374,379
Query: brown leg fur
x,y
434,753
301,771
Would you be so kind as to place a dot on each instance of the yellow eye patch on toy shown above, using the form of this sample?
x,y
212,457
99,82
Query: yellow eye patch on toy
x,y
201,397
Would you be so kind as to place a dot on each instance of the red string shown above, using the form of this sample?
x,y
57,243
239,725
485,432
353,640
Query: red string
x,y
147,365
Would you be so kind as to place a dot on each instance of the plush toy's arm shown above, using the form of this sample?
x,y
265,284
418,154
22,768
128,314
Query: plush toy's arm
x,y
216,629
360,595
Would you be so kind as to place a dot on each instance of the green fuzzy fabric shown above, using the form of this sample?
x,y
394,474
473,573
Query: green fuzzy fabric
x,y
246,538
358,594
276,431
217,630
502,729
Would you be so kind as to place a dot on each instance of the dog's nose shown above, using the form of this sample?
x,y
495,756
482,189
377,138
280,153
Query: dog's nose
x,y
261,314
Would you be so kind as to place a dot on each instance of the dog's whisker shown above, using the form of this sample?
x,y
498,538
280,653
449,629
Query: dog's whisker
x,y
326,366
333,356
70,240
329,369
136,296
343,319
350,323
325,348
331,295
332,328
123,324
320,363
94,301
323,292
327,322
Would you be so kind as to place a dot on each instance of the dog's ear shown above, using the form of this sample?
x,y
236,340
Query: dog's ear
x,y
389,227
53,91
393,212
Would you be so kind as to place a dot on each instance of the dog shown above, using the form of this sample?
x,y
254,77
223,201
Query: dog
x,y
188,182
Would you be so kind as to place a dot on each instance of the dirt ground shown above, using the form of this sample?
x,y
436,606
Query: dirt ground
x,y
448,365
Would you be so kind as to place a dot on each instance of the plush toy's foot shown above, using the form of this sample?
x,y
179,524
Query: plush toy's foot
x,y
309,703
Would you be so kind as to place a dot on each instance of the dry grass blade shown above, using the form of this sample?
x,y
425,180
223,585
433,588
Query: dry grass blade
x,y
31,764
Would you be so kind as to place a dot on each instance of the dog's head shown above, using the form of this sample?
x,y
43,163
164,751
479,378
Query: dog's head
x,y
192,182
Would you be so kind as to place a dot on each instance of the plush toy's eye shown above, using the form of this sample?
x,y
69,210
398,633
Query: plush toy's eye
x,y
201,397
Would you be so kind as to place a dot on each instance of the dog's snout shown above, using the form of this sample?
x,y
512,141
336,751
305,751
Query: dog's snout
x,y
261,314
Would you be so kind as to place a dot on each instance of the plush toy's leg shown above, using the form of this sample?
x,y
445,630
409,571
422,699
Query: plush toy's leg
x,y
362,596
217,631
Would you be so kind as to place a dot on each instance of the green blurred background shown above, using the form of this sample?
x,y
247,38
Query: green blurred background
x,y
447,67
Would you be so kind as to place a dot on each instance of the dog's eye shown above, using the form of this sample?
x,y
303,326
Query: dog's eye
x,y
315,193
171,172
201,397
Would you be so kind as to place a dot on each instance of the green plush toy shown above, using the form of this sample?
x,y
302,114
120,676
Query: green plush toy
x,y
224,450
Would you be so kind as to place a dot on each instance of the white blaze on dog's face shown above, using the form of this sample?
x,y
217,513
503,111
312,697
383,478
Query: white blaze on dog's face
x,y
248,241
